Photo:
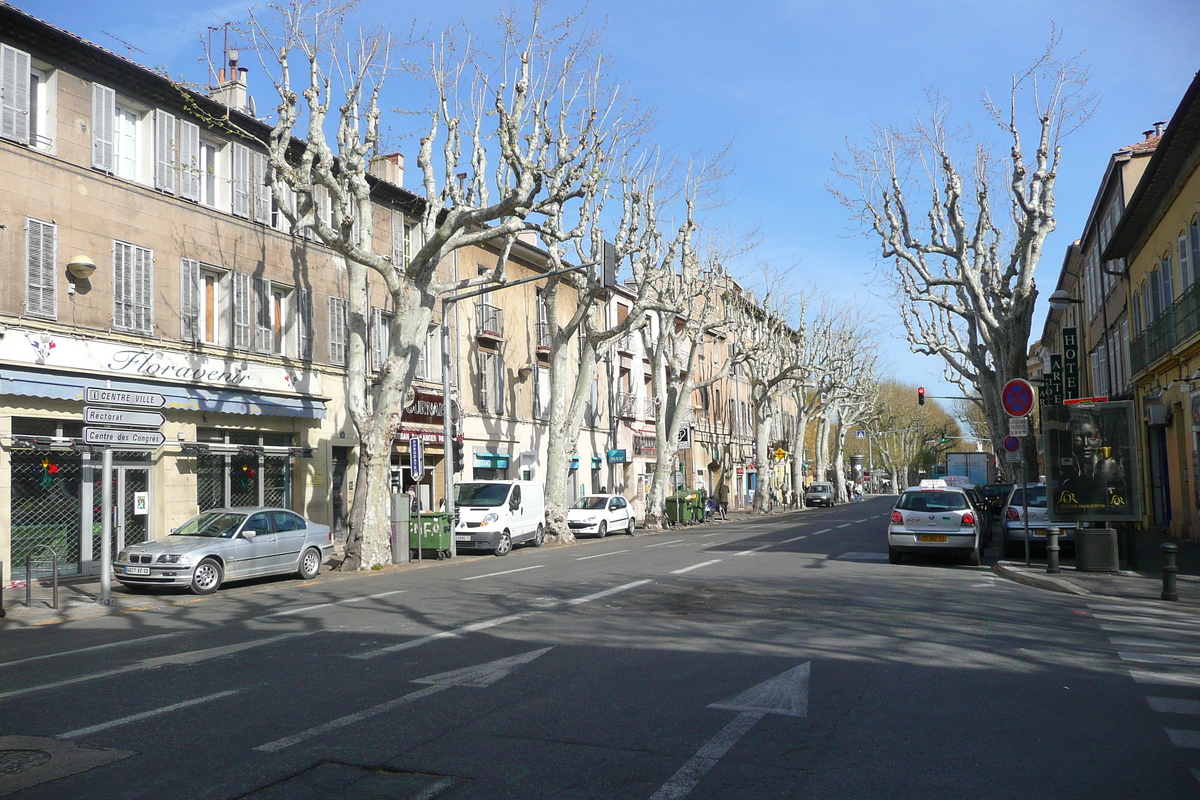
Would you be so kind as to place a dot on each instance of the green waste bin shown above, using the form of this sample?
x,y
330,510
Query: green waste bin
x,y
681,508
431,534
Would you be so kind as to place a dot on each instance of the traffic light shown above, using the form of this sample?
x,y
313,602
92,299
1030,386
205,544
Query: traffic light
x,y
920,395
457,454
943,440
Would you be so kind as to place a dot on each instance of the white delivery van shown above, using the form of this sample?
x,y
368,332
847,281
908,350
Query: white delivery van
x,y
495,515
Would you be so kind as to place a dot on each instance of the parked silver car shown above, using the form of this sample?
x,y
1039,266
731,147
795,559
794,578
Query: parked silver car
x,y
227,544
1039,522
819,494
935,518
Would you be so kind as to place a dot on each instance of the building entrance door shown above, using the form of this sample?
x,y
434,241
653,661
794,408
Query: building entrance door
x,y
131,499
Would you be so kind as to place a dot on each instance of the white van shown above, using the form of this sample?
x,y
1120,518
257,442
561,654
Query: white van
x,y
495,515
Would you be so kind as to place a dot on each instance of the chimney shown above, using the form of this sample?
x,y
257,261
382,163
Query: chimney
x,y
1158,128
231,92
389,168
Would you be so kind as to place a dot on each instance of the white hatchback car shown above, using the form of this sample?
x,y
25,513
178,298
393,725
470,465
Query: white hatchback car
x,y
597,514
935,518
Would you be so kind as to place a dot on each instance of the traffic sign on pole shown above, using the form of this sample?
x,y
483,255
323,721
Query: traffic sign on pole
x,y
120,397
124,439
119,416
1017,397
416,460
1018,426
1012,444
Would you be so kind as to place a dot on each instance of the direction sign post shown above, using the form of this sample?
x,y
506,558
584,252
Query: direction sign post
x,y
416,460
119,416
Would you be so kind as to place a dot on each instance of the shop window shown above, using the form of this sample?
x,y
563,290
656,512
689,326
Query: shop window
x,y
244,474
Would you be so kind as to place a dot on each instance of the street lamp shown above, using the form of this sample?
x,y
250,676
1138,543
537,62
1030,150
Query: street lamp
x,y
1061,299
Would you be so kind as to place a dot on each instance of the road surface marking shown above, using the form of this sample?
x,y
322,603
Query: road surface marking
x,y
715,533
103,726
434,790
1164,612
1168,633
190,657
505,572
823,530
754,549
1150,622
1164,678
786,694
845,525
327,605
607,592
1184,738
663,544
602,555
474,626
89,649
1159,658
695,566
1174,705
1130,641
863,557
479,676
794,539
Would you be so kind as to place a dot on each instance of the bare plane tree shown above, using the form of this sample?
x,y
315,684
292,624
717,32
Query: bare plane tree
x,y
963,268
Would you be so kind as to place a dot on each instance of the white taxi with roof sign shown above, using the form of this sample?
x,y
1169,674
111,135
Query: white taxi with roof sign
x,y
935,518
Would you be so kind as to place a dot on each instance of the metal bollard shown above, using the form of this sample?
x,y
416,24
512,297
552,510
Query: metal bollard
x,y
28,581
1169,571
2,611
1052,549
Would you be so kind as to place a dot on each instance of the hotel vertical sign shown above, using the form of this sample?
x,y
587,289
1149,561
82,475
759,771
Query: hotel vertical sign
x,y
1070,359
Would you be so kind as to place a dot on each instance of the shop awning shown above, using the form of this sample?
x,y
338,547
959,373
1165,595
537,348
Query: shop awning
x,y
55,386
430,434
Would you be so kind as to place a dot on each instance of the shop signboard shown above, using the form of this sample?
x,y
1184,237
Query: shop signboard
x,y
1070,357
617,456
1091,462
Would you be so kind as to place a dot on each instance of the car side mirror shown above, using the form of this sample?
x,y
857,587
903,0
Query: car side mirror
x,y
249,534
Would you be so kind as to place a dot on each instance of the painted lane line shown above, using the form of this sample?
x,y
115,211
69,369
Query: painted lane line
x,y
349,719
602,555
103,726
695,566
845,525
823,530
505,572
291,611
863,557
794,539
474,626
589,598
190,657
435,790
755,549
663,544
1164,678
1125,609
1130,641
706,535
89,649
1152,622
1159,658
1174,705
1184,738
1164,633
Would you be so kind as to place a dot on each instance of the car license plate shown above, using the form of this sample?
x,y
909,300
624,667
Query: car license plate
x,y
462,538
931,537
137,570
1039,532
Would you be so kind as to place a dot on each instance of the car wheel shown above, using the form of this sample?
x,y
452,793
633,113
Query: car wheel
x,y
632,525
310,564
894,557
207,576
602,531
974,559
504,546
540,536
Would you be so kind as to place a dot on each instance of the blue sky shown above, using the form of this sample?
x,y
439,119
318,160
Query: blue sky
x,y
789,83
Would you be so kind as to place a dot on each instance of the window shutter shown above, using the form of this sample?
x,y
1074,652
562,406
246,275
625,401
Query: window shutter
x,y
398,259
189,160
14,94
121,288
104,108
143,277
164,151
485,382
40,273
1185,265
304,313
499,361
262,315
376,337
337,331
189,300
262,192
241,311
241,180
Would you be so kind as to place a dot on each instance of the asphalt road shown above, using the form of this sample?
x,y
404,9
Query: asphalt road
x,y
780,657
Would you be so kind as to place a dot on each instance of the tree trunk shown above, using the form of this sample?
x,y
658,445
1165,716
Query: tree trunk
x,y
839,464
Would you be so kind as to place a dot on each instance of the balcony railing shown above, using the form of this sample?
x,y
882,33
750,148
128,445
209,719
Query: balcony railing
x,y
1187,313
1160,336
628,405
489,321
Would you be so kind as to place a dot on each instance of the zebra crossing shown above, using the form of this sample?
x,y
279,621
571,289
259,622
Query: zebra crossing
x,y
1160,648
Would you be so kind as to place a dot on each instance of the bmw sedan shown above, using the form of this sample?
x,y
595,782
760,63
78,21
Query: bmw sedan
x,y
227,544
935,518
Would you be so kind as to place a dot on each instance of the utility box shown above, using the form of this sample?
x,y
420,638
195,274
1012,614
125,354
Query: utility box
x,y
401,521
1096,550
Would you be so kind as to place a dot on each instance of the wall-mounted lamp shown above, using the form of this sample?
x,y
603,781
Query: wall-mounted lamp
x,y
1061,299
81,266
524,370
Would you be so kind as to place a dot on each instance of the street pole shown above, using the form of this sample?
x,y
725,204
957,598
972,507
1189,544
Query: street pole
x,y
448,424
1025,505
106,531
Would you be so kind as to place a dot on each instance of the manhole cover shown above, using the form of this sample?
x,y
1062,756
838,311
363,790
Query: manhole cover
x,y
14,762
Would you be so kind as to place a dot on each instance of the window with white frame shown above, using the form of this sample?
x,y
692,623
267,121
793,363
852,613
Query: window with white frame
x,y
305,330
380,336
27,100
1127,371
339,339
41,271
241,310
272,317
210,173
541,393
129,141
201,318
133,288
429,362
491,382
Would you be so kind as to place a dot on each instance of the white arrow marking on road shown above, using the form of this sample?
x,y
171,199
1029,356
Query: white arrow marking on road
x,y
786,693
480,676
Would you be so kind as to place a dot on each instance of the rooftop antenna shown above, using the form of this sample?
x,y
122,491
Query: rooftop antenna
x,y
128,46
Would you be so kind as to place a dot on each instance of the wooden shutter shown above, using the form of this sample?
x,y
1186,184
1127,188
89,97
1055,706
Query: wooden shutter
x,y
376,339
486,373
242,311
499,361
337,331
1185,271
189,300
164,151
189,160
263,333
143,289
241,180
122,288
14,94
398,257
41,240
104,108
304,316
262,192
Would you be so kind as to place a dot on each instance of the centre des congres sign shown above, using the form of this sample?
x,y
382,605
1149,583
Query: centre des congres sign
x,y
118,359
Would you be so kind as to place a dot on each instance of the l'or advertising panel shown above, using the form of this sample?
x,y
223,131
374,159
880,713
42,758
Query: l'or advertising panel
x,y
1091,462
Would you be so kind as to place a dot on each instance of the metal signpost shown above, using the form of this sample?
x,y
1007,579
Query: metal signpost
x,y
1017,399
137,438
416,466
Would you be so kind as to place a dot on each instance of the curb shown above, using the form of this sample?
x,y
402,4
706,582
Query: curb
x,y
1038,581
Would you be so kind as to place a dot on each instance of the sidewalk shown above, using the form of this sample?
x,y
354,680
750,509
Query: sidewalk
x,y
1144,583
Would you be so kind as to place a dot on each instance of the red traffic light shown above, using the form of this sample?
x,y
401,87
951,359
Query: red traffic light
x,y
920,395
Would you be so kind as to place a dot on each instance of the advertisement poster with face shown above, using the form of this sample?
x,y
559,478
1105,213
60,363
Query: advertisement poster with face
x,y
1091,463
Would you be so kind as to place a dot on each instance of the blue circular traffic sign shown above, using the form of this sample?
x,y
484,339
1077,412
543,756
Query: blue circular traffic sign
x,y
1017,397
1012,444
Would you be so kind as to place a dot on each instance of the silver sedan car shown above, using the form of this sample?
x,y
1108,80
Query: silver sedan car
x,y
227,544
934,518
